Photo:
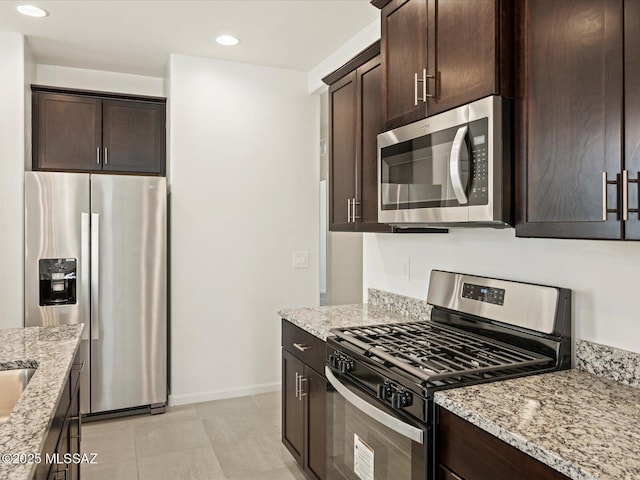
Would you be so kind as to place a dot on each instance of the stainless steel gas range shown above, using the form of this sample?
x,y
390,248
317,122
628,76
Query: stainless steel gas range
x,y
382,378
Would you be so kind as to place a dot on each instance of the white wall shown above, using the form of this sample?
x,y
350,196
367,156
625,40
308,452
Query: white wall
x,y
346,52
244,183
604,275
12,154
99,80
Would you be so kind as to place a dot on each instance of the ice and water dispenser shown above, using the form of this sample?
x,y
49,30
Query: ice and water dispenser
x,y
57,281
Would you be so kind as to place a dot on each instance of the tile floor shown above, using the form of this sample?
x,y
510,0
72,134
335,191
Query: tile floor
x,y
234,439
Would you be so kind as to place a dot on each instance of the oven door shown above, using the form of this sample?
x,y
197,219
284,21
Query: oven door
x,y
367,440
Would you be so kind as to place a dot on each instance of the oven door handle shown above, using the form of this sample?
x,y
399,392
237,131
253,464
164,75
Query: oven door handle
x,y
454,165
404,429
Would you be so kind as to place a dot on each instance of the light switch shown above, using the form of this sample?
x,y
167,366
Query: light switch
x,y
301,259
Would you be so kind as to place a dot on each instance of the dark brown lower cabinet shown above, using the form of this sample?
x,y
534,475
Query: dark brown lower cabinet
x,y
466,452
61,453
304,394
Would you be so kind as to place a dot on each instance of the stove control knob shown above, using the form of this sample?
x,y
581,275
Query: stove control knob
x,y
345,365
333,360
384,391
401,399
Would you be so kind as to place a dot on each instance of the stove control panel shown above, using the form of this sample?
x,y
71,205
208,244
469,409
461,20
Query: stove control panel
x,y
484,294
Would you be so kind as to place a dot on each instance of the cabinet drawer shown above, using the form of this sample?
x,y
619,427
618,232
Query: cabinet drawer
x,y
303,345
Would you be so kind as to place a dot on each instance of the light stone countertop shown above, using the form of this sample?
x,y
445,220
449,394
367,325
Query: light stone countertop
x,y
51,351
383,307
582,425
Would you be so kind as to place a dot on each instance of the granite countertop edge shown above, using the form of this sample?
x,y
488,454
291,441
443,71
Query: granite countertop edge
x,y
51,351
513,439
580,424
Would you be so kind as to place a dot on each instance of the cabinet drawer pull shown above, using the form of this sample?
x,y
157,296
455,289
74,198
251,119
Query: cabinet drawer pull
x,y
303,347
106,156
348,210
98,156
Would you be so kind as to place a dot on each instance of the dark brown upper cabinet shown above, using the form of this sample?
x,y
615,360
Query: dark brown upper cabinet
x,y
440,54
79,131
569,113
355,120
632,115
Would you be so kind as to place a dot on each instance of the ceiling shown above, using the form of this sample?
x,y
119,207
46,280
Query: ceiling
x,y
138,36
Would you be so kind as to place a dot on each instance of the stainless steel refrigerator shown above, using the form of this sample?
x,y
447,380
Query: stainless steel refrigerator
x,y
96,253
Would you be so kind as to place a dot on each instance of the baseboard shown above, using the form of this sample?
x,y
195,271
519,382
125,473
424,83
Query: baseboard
x,y
184,399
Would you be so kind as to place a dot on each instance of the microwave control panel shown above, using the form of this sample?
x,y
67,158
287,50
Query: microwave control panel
x,y
479,142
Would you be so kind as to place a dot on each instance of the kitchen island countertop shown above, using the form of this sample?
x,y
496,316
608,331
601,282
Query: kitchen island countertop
x,y
582,425
51,351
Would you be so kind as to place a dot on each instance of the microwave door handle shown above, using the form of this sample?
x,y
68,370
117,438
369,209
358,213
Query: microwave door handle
x,y
404,429
454,165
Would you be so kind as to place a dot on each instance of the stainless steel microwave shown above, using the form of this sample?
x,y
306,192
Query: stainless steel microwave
x,y
452,169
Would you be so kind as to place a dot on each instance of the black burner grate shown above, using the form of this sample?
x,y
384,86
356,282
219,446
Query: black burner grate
x,y
434,352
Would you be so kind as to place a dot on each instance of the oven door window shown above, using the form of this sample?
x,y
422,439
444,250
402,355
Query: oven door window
x,y
360,447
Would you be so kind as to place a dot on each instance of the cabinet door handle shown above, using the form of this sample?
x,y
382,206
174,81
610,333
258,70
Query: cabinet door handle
x,y
303,347
348,210
354,215
297,384
605,209
425,95
604,196
625,195
97,155
106,156
303,393
424,85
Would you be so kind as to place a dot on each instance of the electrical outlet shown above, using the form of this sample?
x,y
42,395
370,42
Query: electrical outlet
x,y
301,259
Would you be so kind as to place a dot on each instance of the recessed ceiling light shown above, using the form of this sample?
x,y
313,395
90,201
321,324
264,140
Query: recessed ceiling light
x,y
32,11
227,40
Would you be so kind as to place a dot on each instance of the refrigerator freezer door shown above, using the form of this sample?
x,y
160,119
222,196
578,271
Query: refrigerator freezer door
x,y
129,333
57,231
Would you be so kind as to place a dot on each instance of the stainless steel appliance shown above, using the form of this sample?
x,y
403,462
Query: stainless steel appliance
x,y
95,253
380,413
452,169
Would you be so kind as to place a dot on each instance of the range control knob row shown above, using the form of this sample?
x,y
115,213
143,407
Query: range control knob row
x,y
345,365
385,391
401,399
333,361
341,362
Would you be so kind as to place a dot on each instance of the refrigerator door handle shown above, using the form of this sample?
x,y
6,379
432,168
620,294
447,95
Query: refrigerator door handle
x,y
95,276
85,272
